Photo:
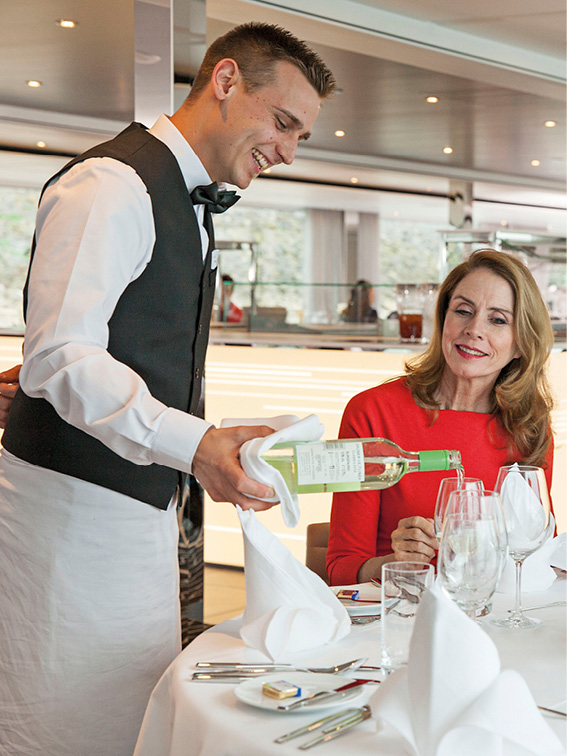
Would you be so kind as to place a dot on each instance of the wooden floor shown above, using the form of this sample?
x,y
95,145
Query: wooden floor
x,y
225,595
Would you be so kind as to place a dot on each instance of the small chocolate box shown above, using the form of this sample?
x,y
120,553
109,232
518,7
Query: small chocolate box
x,y
345,593
280,689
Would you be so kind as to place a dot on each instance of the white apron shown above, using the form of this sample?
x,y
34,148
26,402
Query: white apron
x,y
89,612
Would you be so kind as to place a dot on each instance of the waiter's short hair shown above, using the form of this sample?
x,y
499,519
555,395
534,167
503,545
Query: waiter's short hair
x,y
256,47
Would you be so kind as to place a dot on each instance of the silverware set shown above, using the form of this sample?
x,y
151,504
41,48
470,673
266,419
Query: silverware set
x,y
332,726
235,671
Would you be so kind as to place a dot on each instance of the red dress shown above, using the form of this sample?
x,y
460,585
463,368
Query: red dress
x,y
362,521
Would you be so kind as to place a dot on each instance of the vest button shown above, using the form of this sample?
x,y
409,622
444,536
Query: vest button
x,y
200,329
197,373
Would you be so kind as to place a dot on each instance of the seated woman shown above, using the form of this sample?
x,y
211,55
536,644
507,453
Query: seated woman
x,y
359,308
480,388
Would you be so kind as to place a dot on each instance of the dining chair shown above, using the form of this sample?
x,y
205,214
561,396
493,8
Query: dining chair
x,y
316,548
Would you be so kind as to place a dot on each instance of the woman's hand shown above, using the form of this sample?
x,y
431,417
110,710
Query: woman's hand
x,y
414,540
8,387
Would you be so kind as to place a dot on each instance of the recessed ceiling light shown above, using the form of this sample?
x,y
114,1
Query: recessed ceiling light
x,y
549,227
447,150
40,144
339,133
396,213
550,124
34,83
354,180
503,223
66,23
535,163
427,188
432,99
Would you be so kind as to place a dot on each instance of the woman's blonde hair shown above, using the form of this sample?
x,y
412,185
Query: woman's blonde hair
x,y
521,397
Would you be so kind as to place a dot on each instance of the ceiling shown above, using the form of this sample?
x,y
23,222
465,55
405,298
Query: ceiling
x,y
497,67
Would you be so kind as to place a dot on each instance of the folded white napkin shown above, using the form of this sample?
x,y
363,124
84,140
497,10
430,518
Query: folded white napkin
x,y
523,511
537,570
288,428
288,607
453,697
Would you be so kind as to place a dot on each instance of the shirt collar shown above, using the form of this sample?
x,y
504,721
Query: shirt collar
x,y
193,170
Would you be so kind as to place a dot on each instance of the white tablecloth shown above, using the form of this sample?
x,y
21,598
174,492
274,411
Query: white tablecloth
x,y
187,718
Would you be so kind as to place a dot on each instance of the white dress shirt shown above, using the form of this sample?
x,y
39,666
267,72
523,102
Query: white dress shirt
x,y
95,235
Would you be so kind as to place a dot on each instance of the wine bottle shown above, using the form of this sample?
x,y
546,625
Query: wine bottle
x,y
353,464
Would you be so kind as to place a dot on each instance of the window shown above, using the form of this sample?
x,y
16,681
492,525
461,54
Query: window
x,y
17,220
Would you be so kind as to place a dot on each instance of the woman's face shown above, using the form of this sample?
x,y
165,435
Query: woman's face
x,y
478,333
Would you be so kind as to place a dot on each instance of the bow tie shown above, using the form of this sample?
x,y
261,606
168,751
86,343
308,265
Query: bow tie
x,y
217,201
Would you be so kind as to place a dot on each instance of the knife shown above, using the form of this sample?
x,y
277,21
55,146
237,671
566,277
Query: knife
x,y
325,721
324,695
242,665
340,729
228,676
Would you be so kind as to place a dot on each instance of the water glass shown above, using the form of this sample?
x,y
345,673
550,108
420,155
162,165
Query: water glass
x,y
403,585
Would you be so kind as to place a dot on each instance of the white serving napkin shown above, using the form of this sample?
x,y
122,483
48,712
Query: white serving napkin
x,y
288,428
522,510
453,697
537,570
288,607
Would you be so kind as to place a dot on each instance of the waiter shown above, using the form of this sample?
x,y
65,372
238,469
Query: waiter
x,y
118,301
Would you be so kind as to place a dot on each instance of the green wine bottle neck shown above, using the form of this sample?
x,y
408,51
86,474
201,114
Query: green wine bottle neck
x,y
441,459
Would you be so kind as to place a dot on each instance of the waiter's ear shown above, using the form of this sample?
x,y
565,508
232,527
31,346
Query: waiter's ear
x,y
226,75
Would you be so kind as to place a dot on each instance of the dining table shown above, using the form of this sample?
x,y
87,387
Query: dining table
x,y
198,718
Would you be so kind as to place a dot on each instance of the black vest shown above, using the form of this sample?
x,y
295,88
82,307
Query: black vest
x,y
159,328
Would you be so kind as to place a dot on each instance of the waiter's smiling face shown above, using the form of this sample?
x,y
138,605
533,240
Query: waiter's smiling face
x,y
260,127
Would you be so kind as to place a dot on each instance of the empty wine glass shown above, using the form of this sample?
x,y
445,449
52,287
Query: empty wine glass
x,y
475,502
481,502
469,560
446,488
525,500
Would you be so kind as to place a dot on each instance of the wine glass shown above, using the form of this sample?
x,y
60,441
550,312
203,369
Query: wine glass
x,y
446,488
525,500
469,561
475,502
481,502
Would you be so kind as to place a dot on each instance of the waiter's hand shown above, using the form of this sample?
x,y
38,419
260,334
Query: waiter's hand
x,y
8,387
414,540
217,468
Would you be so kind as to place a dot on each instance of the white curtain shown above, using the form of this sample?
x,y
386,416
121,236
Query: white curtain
x,y
325,265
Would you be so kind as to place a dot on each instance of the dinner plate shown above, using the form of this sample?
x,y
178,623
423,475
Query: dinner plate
x,y
370,593
250,691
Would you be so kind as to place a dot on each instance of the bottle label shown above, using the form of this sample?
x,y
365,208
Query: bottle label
x,y
329,463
